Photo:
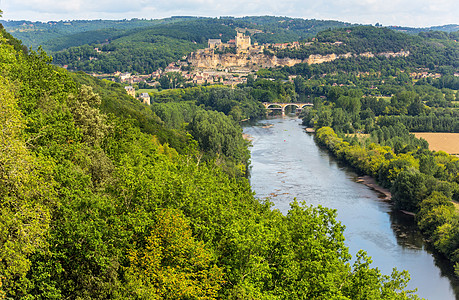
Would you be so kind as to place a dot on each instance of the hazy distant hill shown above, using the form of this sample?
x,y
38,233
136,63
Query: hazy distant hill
x,y
445,28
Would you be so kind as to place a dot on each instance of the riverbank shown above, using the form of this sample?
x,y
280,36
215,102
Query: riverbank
x,y
386,194
371,183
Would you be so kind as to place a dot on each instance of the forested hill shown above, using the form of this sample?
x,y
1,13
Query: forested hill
x,y
412,30
143,46
145,50
146,45
356,41
94,206
59,35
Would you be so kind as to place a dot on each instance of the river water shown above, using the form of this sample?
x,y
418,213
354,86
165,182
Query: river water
x,y
287,164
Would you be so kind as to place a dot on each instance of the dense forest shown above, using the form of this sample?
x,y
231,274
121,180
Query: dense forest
x,y
437,52
144,51
103,197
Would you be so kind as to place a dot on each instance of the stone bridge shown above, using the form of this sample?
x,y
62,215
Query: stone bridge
x,y
282,106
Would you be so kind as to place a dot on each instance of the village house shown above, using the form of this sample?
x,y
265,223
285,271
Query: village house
x,y
156,74
145,98
214,43
172,68
199,80
125,76
130,91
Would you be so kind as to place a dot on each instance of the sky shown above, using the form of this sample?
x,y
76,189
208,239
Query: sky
x,y
412,13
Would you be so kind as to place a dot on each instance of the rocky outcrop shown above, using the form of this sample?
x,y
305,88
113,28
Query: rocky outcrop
x,y
395,54
214,61
210,60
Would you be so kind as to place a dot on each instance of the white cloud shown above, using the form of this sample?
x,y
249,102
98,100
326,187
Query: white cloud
x,y
418,13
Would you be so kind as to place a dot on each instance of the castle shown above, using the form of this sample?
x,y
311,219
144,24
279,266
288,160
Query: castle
x,y
241,42
254,57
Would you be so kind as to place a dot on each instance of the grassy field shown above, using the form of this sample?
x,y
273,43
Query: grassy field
x,y
146,91
448,142
386,98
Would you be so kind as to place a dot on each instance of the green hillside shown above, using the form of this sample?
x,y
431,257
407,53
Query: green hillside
x,y
94,206
433,51
145,50
145,45
59,35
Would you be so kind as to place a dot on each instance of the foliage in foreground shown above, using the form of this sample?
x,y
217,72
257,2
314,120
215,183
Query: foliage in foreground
x,y
94,208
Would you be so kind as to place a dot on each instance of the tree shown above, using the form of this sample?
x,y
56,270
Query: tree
x,y
325,118
26,190
218,134
408,190
172,264
250,80
85,109
434,211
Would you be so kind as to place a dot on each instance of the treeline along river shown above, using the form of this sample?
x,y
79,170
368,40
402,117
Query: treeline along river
x,y
287,164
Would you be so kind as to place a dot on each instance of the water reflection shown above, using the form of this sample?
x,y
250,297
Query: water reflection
x,y
409,237
286,163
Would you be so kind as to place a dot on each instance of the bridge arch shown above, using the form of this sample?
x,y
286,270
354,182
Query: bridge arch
x,y
292,104
282,106
273,105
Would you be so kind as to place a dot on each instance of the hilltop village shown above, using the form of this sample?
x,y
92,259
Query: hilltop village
x,y
220,63
224,63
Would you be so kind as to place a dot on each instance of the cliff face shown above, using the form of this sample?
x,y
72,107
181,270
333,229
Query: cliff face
x,y
210,60
247,60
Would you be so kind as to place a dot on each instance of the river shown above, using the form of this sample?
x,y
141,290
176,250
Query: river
x,y
287,164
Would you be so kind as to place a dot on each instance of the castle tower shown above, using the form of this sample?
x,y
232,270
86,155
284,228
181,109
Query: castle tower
x,y
242,42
